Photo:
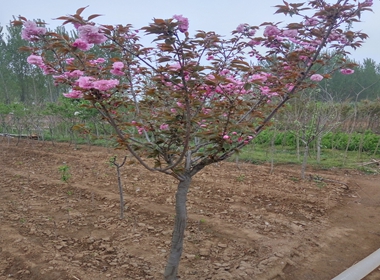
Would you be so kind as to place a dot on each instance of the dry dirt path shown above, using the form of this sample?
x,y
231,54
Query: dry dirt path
x,y
244,223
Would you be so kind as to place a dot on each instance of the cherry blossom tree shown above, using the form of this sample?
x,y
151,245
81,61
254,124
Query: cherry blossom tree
x,y
188,101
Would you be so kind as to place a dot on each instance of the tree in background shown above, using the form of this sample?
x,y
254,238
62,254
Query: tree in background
x,y
365,80
190,101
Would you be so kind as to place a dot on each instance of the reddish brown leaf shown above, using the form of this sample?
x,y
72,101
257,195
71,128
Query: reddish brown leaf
x,y
94,16
17,22
80,10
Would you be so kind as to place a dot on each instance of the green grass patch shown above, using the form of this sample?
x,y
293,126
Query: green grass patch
x,y
330,158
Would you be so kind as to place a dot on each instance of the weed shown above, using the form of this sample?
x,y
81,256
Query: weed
x,y
240,178
294,179
65,172
320,184
368,171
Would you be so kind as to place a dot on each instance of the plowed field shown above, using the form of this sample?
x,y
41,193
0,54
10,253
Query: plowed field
x,y
243,221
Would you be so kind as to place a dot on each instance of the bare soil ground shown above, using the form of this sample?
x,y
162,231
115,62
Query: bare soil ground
x,y
243,222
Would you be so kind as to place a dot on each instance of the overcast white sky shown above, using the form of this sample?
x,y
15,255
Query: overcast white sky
x,y
221,16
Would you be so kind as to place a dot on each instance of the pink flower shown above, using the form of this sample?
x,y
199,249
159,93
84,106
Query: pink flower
x,y
86,82
240,28
291,33
164,126
82,45
347,71
105,84
117,68
311,21
75,74
226,137
47,70
76,24
175,66
271,30
265,90
91,34
35,59
253,43
70,60
261,77
97,61
31,31
316,77
140,130
290,86
75,94
179,104
183,25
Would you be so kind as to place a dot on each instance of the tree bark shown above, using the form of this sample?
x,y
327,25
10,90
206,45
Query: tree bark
x,y
304,162
319,140
171,269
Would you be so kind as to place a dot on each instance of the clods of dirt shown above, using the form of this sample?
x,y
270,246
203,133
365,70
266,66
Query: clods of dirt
x,y
243,221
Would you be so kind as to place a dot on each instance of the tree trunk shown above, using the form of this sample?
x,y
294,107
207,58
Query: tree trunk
x,y
272,151
171,270
304,163
298,147
319,140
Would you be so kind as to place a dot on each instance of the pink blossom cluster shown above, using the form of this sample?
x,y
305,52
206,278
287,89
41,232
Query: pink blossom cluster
x,y
70,60
74,94
97,61
232,86
316,77
104,85
265,90
235,86
346,71
91,34
117,68
67,75
37,60
234,136
164,126
338,37
311,21
85,82
271,31
203,124
31,31
183,23
243,28
82,45
140,129
262,77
